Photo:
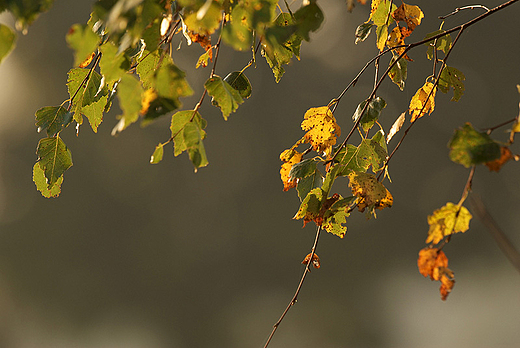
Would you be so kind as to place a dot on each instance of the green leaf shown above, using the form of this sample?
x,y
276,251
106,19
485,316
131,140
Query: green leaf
x,y
208,23
239,81
447,220
237,33
443,43
91,98
332,174
203,59
380,15
284,33
157,155
371,152
26,12
469,147
399,72
308,183
308,18
336,216
310,207
303,169
187,133
129,93
112,64
371,114
452,78
7,41
224,96
362,32
54,158
83,41
170,81
146,68
41,183
52,119
382,36
367,187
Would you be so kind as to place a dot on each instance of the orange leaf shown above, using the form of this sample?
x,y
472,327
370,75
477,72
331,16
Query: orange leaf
x,y
410,14
87,61
315,260
506,155
433,262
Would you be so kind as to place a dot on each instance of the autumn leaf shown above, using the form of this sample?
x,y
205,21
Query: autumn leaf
x,y
433,263
371,192
322,129
396,127
452,78
336,215
410,14
290,157
315,260
310,207
396,38
505,155
423,101
447,220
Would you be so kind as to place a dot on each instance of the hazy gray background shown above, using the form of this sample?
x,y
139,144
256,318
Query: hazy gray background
x,y
140,255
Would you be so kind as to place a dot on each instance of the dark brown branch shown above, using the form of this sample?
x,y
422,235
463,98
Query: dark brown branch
x,y
295,297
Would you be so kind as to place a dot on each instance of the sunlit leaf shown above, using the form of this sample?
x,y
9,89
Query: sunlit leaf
x,y
399,72
371,192
7,41
410,14
157,155
442,43
113,65
335,217
52,119
41,183
129,93
447,220
315,260
310,206
322,129
362,32
423,101
469,147
54,158
224,96
433,263
83,41
290,157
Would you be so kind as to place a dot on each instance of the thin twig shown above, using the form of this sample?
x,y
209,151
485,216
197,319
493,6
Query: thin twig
x,y
295,297
470,7
478,207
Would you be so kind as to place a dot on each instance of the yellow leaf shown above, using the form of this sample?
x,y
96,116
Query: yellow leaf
x,y
447,220
290,157
322,129
87,61
410,14
421,103
370,190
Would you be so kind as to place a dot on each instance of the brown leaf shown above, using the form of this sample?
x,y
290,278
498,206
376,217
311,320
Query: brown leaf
x,y
315,260
433,262
505,156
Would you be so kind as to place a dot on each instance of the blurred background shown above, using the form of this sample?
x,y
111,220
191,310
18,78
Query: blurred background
x,y
138,255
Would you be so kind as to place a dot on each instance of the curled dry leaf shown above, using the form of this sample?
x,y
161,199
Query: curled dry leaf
x,y
396,127
433,263
315,260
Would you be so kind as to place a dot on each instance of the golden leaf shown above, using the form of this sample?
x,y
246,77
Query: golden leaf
x,y
148,97
410,14
421,103
322,129
447,220
87,61
433,263
290,157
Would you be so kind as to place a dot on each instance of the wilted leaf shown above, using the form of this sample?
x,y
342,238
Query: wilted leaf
x,y
310,207
447,220
469,147
370,191
433,263
396,127
315,260
505,155
410,14
423,101
322,129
